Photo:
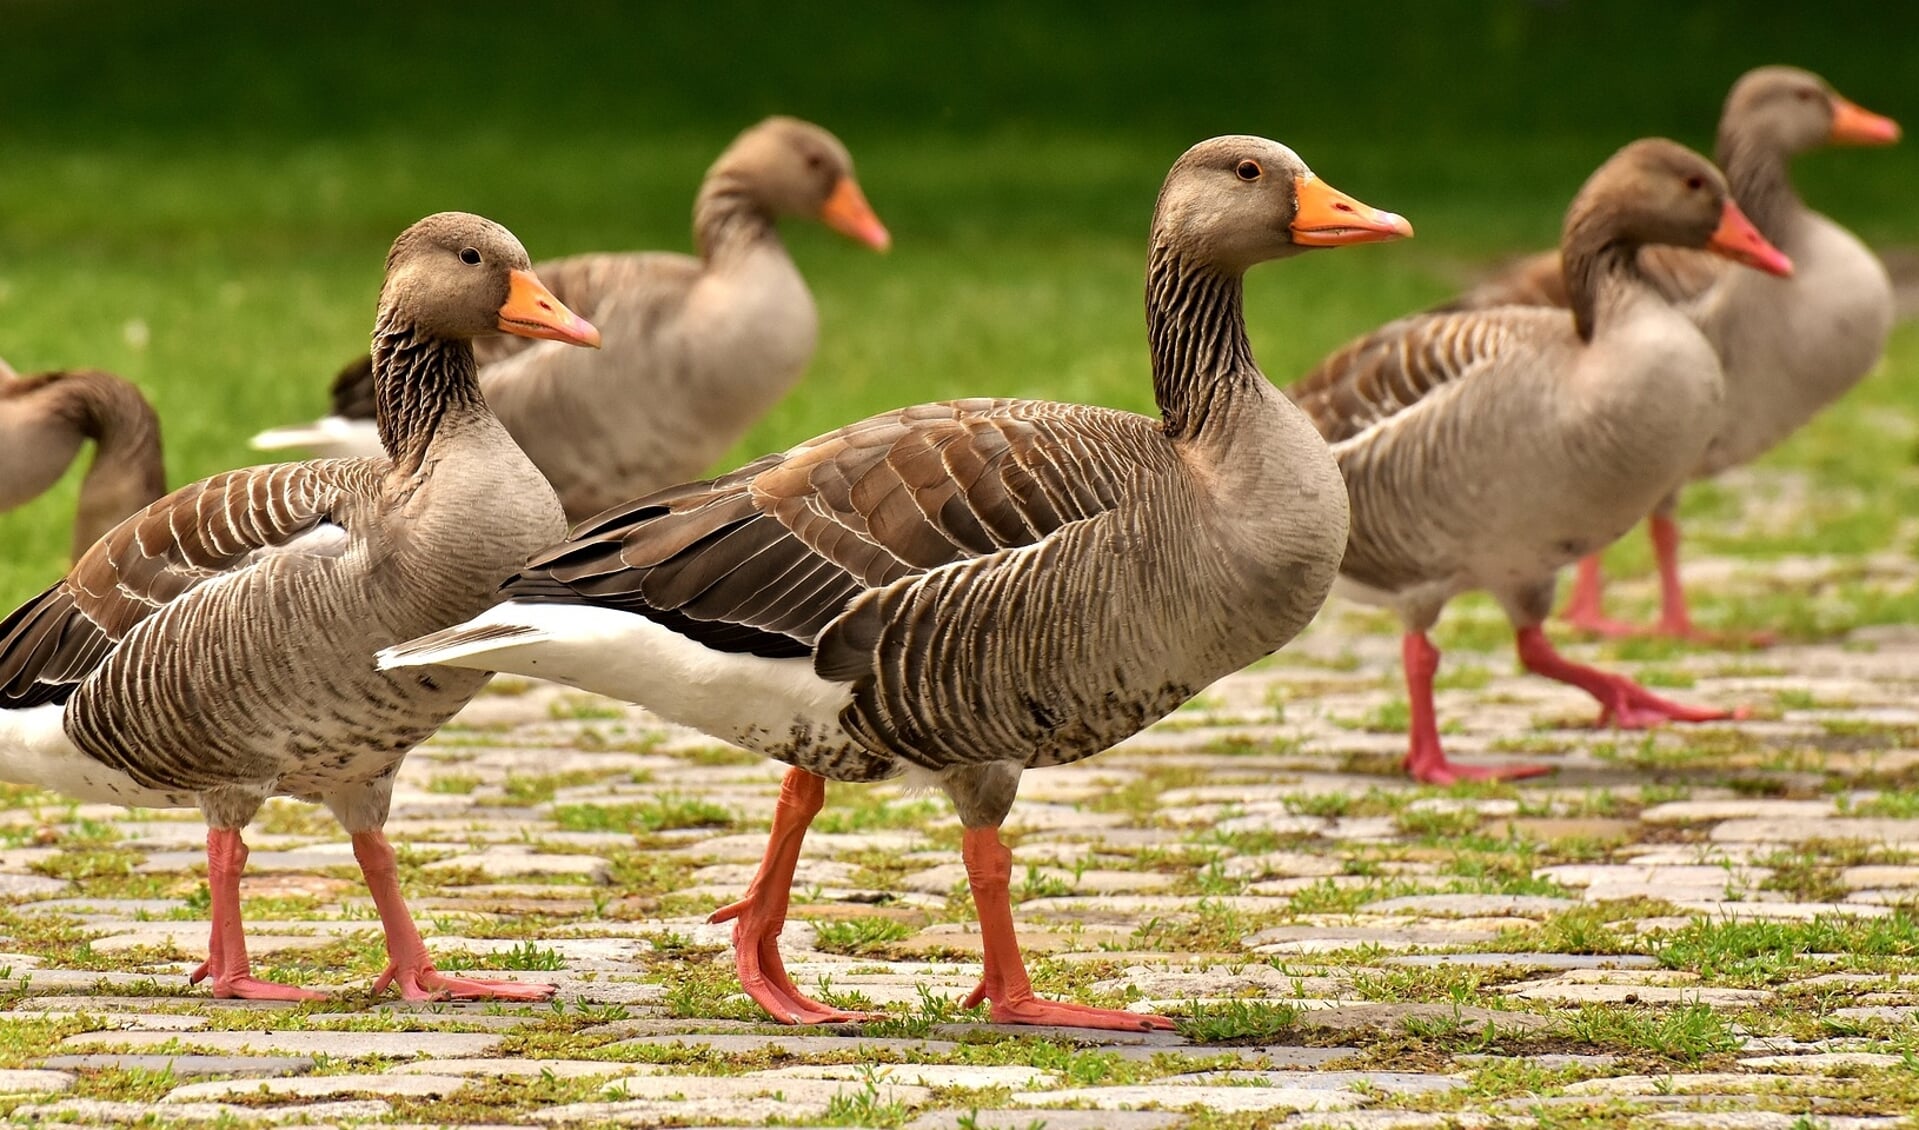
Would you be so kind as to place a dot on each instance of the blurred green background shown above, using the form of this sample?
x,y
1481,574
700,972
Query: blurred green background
x,y
198,196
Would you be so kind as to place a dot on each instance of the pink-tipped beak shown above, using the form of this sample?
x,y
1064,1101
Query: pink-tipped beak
x,y
1738,240
1853,124
532,311
847,212
1327,217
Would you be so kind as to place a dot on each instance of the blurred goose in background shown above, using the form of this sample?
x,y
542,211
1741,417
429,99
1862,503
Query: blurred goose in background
x,y
1486,449
217,648
696,349
44,420
957,592
1788,346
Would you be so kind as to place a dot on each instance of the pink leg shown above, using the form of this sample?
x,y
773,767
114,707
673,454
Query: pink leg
x,y
1586,609
760,916
989,867
226,961
1425,761
1675,618
1622,702
409,968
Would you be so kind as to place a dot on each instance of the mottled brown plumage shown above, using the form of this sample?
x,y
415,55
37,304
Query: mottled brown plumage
x,y
1788,347
1486,449
44,421
217,648
962,591
696,348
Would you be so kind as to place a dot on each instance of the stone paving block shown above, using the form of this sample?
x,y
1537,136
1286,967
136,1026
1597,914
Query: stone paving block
x,y
30,1081
100,1111
340,1045
321,1086
744,1043
1890,832
14,885
1821,1061
1528,960
1225,1100
692,1099
921,1075
184,1066
1054,1120
1738,808
1472,906
512,861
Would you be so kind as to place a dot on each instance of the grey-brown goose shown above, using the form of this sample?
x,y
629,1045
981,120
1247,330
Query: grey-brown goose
x,y
696,349
217,648
1789,347
44,421
960,591
1486,449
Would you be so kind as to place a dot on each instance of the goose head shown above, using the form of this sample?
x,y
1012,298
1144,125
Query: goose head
x,y
1235,201
1795,110
795,168
1656,191
457,276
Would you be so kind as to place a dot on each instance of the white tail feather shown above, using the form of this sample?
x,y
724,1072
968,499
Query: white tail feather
x,y
330,436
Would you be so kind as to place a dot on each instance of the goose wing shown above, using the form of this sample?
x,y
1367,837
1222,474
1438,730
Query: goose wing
x,y
200,534
1397,366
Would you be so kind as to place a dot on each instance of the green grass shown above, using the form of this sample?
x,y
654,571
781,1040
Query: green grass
x,y
206,213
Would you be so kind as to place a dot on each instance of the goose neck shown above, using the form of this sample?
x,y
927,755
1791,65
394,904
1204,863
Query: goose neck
x,y
1758,171
1602,270
420,382
1196,327
728,221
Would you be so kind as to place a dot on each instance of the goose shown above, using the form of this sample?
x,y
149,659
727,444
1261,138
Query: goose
x,y
216,648
1789,347
697,349
957,592
45,419
1486,449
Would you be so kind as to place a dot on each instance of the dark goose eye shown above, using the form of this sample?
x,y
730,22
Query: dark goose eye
x,y
470,256
1248,170
1695,182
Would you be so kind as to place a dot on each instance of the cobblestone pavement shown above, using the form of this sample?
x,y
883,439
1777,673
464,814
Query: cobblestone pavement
x,y
1692,927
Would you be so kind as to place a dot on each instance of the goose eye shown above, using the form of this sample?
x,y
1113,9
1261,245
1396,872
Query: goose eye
x,y
1248,170
470,256
1695,182
815,161
1806,95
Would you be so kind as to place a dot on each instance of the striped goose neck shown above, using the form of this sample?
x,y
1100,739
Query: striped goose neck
x,y
1196,326
1757,170
418,381
1600,266
727,217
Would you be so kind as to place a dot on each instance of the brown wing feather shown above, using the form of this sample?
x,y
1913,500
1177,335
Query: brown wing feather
x,y
1394,367
763,559
198,533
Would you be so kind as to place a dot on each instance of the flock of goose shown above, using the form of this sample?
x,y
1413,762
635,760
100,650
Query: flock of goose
x,y
950,592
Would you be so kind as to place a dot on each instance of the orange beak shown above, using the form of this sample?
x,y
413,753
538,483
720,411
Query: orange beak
x,y
1327,217
532,311
1738,240
1853,124
848,213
